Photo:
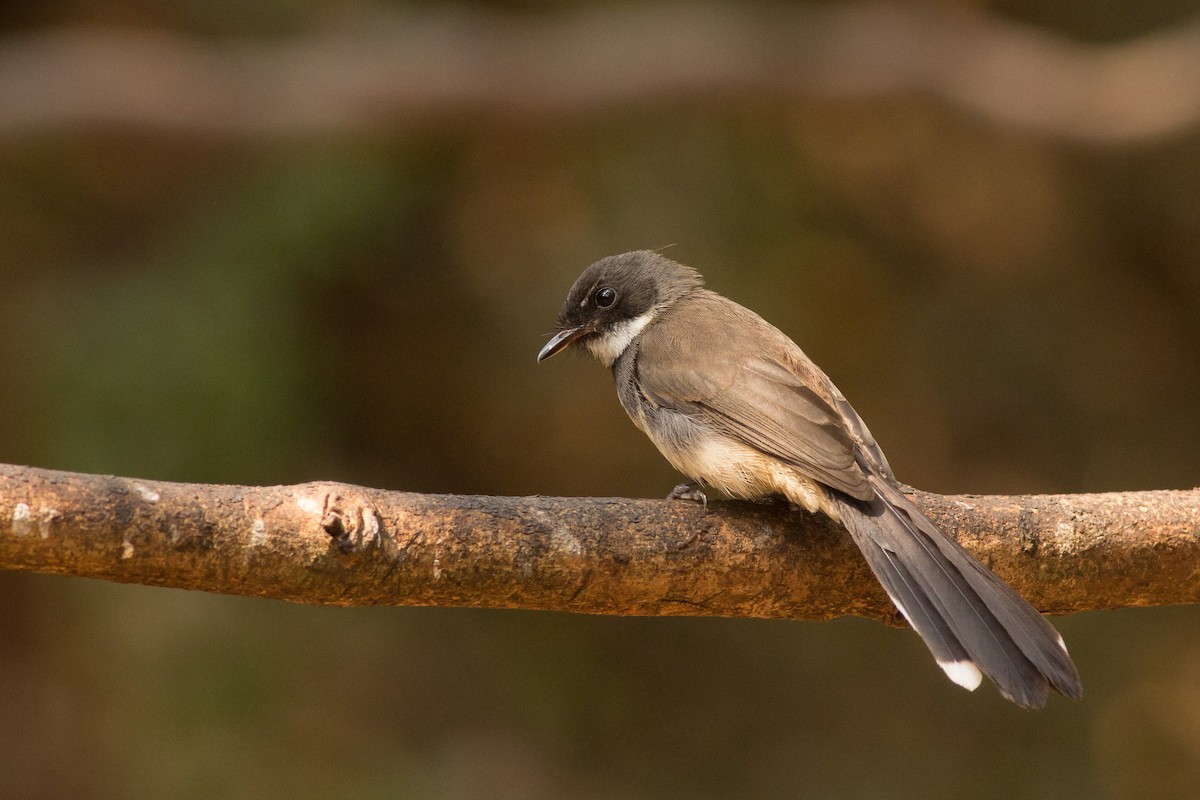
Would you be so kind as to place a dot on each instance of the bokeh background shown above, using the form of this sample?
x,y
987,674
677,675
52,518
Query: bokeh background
x,y
274,242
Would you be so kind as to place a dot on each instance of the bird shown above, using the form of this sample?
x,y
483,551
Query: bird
x,y
735,405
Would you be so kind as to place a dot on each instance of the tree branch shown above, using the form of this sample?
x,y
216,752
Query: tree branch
x,y
403,68
336,544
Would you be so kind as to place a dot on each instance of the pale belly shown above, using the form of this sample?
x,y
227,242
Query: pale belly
x,y
732,467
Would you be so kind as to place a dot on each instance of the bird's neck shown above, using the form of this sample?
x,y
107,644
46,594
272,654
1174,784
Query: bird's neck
x,y
608,346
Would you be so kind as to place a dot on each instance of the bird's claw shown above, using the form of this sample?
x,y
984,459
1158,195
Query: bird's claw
x,y
689,491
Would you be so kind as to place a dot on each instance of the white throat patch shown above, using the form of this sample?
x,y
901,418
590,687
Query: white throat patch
x,y
608,348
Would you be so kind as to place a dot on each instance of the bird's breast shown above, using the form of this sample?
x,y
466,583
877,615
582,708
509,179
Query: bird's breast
x,y
726,464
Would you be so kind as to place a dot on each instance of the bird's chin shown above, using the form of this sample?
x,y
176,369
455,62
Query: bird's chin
x,y
607,346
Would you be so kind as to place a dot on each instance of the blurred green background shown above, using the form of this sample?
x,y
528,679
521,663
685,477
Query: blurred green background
x,y
1012,308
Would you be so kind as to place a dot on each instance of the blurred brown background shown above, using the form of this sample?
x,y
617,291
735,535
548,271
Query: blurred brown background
x,y
266,243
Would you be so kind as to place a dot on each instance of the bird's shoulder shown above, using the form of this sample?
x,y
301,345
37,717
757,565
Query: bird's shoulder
x,y
723,343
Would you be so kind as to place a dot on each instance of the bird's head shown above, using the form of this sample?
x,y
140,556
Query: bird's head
x,y
615,299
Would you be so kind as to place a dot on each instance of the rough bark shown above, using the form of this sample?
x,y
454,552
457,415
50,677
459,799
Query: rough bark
x,y
337,544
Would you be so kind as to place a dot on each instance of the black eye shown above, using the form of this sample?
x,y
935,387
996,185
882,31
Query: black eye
x,y
605,297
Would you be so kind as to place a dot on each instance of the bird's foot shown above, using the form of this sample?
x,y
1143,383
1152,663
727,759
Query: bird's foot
x,y
689,491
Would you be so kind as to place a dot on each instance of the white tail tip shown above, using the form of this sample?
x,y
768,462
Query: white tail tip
x,y
964,673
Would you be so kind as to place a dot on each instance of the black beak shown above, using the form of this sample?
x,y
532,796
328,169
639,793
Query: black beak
x,y
561,341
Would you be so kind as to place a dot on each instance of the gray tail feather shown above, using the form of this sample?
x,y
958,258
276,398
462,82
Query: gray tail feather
x,y
967,616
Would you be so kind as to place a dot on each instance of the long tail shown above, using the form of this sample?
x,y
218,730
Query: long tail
x,y
972,622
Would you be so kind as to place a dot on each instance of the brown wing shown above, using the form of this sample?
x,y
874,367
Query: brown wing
x,y
755,385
